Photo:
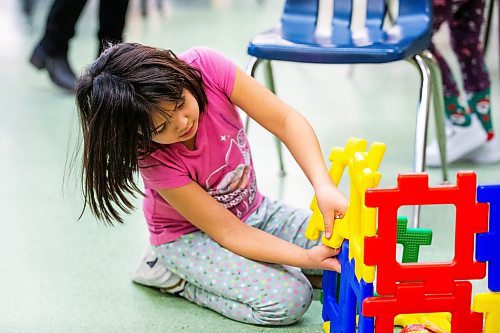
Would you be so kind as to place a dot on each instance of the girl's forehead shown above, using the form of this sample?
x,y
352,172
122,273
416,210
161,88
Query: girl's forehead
x,y
164,113
167,107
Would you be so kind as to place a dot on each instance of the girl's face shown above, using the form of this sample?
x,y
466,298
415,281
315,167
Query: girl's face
x,y
183,125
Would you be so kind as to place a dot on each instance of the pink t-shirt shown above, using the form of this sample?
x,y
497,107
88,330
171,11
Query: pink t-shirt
x,y
221,162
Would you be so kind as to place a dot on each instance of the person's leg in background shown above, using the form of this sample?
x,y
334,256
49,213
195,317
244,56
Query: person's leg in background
x,y
455,112
465,27
51,52
465,137
112,17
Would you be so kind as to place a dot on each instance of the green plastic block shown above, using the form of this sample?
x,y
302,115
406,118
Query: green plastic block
x,y
412,239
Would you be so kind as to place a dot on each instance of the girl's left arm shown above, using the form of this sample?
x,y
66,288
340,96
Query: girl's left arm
x,y
297,134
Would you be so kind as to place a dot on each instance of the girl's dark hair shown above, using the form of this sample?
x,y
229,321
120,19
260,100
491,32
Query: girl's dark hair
x,y
115,97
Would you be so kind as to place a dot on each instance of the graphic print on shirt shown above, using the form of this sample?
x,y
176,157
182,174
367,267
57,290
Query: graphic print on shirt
x,y
233,184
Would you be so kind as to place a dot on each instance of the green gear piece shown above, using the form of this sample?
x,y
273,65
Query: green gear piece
x,y
411,239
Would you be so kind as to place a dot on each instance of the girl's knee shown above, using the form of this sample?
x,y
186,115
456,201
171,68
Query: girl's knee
x,y
284,306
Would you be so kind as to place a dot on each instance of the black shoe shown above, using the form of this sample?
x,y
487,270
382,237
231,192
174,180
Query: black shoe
x,y
58,68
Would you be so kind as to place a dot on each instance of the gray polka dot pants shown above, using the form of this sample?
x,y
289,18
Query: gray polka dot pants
x,y
239,288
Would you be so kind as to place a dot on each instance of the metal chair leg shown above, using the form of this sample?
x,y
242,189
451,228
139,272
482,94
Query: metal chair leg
x,y
268,74
252,65
251,68
439,109
422,124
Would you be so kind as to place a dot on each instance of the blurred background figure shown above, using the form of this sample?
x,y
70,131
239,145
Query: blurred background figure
x,y
51,53
470,135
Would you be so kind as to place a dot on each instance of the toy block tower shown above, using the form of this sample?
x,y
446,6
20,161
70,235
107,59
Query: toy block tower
x,y
407,291
434,287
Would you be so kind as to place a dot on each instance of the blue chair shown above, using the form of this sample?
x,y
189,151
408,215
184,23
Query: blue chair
x,y
296,39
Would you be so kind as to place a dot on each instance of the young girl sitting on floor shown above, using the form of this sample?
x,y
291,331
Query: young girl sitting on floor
x,y
219,241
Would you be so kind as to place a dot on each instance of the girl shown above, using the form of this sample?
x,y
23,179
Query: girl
x,y
174,120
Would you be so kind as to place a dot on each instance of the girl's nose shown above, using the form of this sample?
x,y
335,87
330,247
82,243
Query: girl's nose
x,y
182,123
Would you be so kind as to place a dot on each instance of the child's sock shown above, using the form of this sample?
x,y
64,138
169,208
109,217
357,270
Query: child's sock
x,y
455,112
479,103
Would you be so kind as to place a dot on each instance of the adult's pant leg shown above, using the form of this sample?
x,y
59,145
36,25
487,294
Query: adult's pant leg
x,y
60,27
112,17
441,12
465,28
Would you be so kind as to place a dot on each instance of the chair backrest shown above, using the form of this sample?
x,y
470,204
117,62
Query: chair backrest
x,y
300,19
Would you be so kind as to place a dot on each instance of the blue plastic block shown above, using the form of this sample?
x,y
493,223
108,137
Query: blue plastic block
x,y
488,244
343,296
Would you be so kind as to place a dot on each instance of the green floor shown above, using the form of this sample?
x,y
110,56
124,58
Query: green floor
x,y
63,275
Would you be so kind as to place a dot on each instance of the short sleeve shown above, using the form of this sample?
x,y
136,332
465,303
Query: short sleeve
x,y
162,174
216,69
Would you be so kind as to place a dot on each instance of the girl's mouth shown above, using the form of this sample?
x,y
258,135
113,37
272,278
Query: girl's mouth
x,y
188,132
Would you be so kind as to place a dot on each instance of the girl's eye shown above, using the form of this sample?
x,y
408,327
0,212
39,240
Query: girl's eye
x,y
178,106
158,130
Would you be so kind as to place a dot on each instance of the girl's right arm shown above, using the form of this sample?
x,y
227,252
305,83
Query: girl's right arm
x,y
203,211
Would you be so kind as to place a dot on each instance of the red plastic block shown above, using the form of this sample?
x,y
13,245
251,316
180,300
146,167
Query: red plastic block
x,y
411,298
413,189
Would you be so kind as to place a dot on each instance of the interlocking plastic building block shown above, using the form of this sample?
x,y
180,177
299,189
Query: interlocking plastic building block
x,y
413,298
489,304
411,239
413,189
343,296
488,244
359,220
340,158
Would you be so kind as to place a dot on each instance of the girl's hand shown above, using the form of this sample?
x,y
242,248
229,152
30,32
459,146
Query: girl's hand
x,y
333,205
323,257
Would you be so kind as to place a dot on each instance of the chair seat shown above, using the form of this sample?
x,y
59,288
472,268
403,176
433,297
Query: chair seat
x,y
339,49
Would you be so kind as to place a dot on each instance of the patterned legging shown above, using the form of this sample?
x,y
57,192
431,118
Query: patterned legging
x,y
465,19
240,288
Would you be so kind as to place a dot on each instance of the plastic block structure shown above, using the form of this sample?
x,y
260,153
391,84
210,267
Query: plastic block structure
x,y
407,291
343,296
488,244
360,221
412,298
434,287
413,189
489,304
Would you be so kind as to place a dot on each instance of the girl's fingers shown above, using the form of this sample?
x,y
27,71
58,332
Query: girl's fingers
x,y
333,264
328,226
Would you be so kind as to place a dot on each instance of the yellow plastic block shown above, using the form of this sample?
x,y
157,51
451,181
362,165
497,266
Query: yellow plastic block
x,y
326,327
340,158
362,220
359,221
442,320
489,304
